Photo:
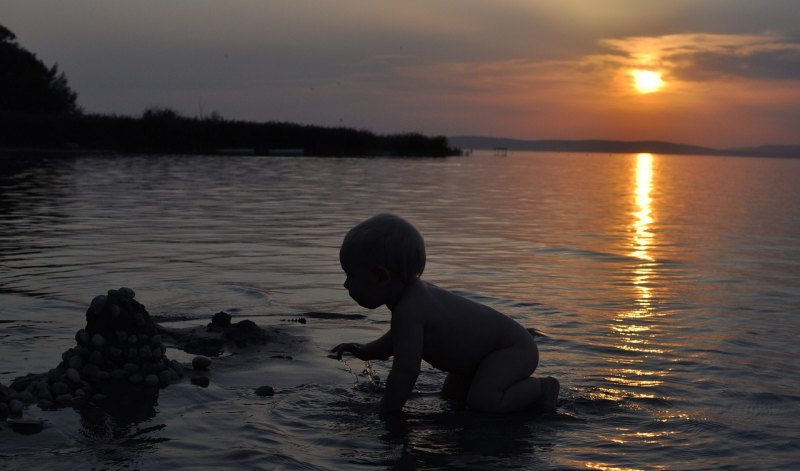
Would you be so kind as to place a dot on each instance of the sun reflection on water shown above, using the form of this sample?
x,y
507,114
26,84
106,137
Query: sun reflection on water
x,y
634,328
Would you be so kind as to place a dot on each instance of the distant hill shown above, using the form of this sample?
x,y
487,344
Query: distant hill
x,y
467,143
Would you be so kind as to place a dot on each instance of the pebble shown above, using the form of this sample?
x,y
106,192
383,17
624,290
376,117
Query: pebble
x,y
201,381
98,303
26,426
96,357
166,377
265,391
91,370
200,363
73,375
75,362
82,337
15,406
131,367
98,340
64,399
151,380
145,353
58,388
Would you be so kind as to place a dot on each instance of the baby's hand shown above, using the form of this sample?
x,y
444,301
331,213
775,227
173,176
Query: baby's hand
x,y
356,349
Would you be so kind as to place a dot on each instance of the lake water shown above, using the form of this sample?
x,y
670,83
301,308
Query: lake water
x,y
667,288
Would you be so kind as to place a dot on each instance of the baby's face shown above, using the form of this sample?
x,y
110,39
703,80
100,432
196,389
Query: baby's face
x,y
363,283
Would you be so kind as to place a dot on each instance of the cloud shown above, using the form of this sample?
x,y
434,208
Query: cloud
x,y
702,57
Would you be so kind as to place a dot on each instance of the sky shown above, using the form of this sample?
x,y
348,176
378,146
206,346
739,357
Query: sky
x,y
718,73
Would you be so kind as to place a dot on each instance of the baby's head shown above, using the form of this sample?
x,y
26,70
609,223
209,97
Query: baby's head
x,y
386,241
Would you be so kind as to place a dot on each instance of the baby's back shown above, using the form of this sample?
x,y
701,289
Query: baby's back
x,y
459,332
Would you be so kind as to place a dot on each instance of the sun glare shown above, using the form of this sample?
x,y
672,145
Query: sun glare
x,y
647,81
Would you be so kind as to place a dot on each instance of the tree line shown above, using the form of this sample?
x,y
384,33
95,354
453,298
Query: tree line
x,y
38,109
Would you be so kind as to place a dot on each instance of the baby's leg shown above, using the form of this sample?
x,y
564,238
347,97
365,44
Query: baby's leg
x,y
456,386
503,381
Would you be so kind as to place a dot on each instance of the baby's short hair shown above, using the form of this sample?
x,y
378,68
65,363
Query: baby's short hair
x,y
389,241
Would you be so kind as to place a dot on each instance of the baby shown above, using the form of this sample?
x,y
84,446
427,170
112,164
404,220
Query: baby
x,y
489,358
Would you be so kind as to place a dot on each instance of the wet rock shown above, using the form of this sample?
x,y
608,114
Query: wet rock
x,y
200,363
26,426
15,406
201,381
98,303
265,391
126,292
73,375
151,380
75,362
64,399
82,337
58,388
219,322
98,340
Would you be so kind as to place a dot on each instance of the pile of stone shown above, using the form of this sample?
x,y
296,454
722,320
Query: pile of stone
x,y
118,353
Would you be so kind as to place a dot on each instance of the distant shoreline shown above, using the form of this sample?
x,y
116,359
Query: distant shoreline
x,y
468,143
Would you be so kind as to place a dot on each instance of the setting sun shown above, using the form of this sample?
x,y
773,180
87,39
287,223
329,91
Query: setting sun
x,y
647,81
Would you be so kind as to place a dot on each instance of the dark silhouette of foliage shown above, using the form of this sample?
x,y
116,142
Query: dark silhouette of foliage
x,y
27,85
39,110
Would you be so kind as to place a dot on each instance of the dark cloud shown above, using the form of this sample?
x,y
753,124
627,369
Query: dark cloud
x,y
772,64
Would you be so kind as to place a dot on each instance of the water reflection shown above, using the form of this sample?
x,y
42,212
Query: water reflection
x,y
634,328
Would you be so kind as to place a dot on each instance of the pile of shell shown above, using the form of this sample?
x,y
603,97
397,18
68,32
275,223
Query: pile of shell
x,y
118,353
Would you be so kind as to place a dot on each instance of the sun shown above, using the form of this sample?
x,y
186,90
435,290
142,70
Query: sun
x,y
647,81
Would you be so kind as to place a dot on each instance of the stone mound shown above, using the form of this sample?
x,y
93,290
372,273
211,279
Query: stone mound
x,y
118,353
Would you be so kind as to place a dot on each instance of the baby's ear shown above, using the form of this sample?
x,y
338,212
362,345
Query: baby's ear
x,y
383,274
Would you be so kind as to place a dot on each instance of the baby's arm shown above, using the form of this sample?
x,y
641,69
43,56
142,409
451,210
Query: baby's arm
x,y
375,350
407,340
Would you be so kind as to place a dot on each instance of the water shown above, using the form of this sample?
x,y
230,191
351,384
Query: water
x,y
668,288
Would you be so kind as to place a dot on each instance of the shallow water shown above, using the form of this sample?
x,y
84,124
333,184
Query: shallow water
x,y
667,287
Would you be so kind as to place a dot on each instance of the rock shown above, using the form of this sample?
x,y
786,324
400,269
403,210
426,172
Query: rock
x,y
119,373
96,357
98,303
151,380
201,381
131,367
99,397
98,340
126,292
46,404
91,370
166,377
64,399
15,406
26,397
26,426
73,375
265,391
219,322
3,410
112,292
115,310
136,378
58,388
75,362
103,375
200,363
82,337
145,353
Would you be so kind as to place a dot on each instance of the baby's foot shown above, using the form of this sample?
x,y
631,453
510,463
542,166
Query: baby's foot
x,y
549,400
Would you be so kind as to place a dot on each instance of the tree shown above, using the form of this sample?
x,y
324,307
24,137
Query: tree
x,y
28,85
